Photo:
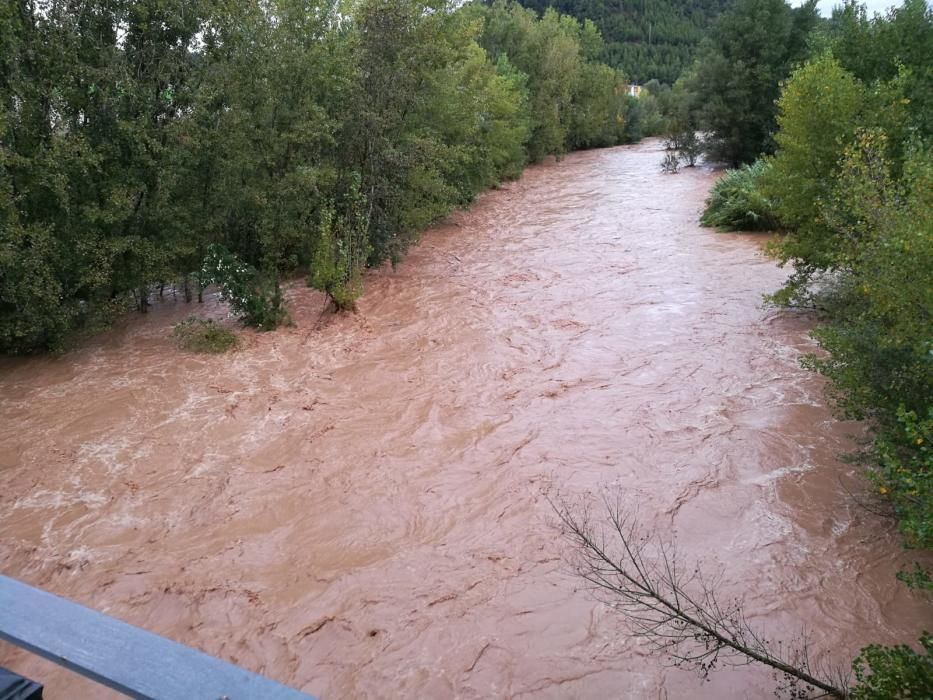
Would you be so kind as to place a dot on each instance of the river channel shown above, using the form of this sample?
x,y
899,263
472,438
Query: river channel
x,y
356,505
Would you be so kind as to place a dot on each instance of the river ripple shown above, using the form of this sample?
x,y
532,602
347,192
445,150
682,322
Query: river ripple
x,y
354,506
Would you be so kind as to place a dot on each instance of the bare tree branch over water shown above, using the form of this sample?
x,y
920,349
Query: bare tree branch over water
x,y
675,607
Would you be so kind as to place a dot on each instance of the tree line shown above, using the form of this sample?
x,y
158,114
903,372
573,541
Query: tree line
x,y
654,40
192,142
837,152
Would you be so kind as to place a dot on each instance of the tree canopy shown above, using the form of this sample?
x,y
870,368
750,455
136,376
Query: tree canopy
x,y
738,73
645,40
850,183
137,138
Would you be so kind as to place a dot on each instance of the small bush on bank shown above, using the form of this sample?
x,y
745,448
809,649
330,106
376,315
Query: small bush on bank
x,y
736,203
198,335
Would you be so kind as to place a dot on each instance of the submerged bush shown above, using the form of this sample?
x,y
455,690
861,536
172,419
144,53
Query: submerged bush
x,y
255,297
340,252
736,202
198,335
686,144
671,163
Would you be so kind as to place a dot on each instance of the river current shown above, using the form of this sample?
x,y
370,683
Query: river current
x,y
356,505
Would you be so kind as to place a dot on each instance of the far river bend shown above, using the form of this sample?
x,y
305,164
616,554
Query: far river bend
x,y
356,509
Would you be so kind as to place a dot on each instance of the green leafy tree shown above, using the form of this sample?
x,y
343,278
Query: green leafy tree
x,y
644,40
598,111
810,148
820,109
751,50
399,47
505,120
898,672
548,51
897,44
880,305
340,251
271,75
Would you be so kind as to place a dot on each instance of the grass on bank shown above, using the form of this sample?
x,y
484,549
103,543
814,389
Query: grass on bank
x,y
736,202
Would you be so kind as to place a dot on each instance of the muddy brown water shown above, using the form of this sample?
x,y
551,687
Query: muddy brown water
x,y
354,506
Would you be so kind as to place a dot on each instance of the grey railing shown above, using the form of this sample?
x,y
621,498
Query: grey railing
x,y
122,657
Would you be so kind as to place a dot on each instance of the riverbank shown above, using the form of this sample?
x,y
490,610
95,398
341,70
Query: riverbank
x,y
357,510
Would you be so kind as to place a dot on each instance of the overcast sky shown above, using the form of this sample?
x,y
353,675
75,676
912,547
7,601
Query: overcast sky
x,y
826,6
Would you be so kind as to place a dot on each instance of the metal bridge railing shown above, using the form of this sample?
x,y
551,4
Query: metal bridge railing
x,y
127,659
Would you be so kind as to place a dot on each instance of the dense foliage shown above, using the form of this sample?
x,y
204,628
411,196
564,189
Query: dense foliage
x,y
738,72
736,202
574,101
878,299
646,40
298,136
856,190
851,182
883,673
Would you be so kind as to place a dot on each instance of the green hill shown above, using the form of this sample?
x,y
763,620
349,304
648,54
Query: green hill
x,y
645,38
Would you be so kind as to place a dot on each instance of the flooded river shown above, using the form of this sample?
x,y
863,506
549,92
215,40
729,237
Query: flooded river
x,y
354,505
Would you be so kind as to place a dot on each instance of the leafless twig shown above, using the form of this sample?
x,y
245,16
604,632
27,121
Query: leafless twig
x,y
676,607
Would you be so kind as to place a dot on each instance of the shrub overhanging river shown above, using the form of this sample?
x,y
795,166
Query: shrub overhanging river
x,y
356,508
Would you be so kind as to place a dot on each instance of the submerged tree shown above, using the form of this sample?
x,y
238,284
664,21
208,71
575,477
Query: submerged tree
x,y
341,249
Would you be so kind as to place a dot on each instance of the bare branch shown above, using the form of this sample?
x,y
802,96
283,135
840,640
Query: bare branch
x,y
638,575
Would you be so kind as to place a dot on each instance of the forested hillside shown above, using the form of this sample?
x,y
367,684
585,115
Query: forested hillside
x,y
644,39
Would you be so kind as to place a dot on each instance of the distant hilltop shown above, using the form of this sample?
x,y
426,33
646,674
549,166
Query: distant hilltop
x,y
644,39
